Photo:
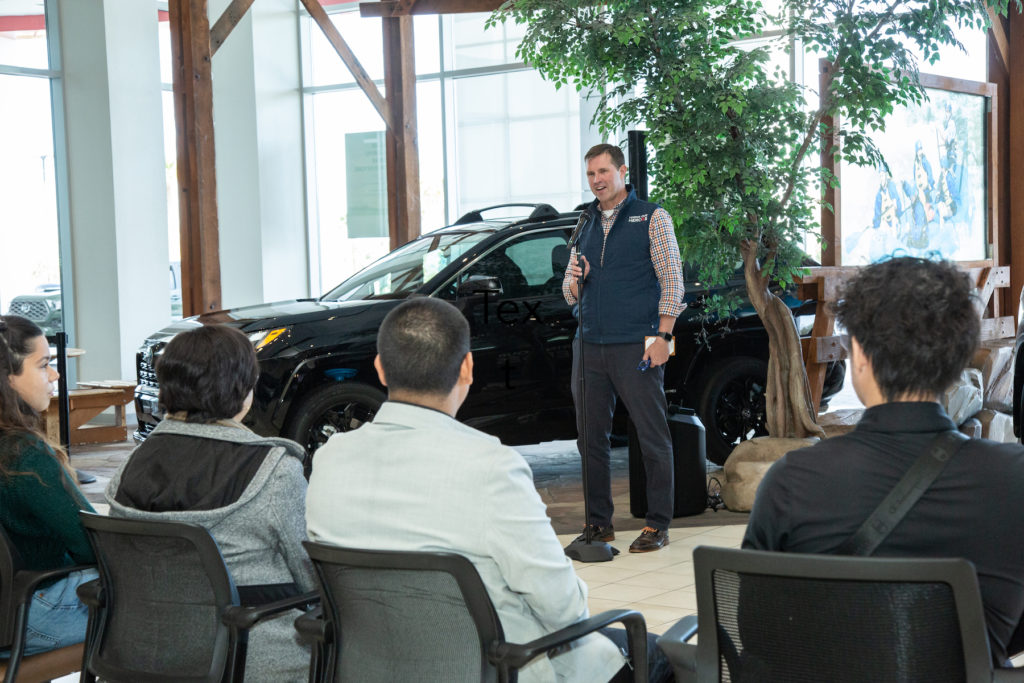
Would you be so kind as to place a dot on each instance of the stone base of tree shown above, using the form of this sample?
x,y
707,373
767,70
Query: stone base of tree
x,y
747,464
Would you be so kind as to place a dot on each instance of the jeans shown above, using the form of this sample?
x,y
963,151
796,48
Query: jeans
x,y
56,617
659,669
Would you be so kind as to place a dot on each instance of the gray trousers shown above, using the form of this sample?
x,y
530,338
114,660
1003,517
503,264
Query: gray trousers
x,y
611,372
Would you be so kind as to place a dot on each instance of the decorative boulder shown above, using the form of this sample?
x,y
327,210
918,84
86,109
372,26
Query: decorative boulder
x,y
747,464
840,421
964,398
994,358
996,426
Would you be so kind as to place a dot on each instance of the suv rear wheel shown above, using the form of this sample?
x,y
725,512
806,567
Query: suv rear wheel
x,y
732,405
331,409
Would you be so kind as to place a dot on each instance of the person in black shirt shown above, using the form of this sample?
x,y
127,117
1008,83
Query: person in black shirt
x,y
912,328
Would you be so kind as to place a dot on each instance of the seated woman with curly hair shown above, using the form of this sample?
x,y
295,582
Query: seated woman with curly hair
x,y
39,499
202,465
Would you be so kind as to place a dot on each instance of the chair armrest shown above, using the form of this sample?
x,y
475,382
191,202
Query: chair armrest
x,y
680,654
91,593
1008,675
25,582
517,656
247,617
312,624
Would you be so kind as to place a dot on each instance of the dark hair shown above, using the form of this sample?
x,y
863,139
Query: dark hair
x,y
421,344
207,373
915,320
16,337
613,151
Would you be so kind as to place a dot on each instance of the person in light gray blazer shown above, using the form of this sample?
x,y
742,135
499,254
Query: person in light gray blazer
x,y
415,479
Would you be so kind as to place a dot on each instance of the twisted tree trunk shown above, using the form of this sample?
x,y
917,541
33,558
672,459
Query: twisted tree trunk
x,y
787,395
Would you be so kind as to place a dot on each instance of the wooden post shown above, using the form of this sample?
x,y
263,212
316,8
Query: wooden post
x,y
831,228
1015,154
401,143
197,179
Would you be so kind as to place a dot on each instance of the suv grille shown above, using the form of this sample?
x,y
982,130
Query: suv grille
x,y
144,364
34,310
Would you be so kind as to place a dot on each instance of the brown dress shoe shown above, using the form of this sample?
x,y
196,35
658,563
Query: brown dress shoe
x,y
600,534
648,540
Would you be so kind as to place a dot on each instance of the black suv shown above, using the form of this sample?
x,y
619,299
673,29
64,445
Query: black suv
x,y
316,355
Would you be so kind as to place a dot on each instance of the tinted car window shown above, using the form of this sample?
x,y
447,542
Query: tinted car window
x,y
527,266
406,269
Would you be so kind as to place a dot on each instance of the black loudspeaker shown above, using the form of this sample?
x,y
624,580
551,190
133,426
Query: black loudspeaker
x,y
688,451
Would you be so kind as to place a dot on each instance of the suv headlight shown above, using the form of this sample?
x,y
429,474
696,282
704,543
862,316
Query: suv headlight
x,y
264,337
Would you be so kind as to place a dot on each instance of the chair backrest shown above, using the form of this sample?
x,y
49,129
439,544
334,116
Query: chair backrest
x,y
164,587
10,564
405,616
791,617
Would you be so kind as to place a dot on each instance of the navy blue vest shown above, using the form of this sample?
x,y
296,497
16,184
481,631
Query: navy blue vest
x,y
621,293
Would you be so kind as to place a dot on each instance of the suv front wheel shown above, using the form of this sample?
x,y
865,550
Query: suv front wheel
x,y
331,409
732,405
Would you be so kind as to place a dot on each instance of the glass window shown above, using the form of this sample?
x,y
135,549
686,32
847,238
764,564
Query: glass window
x,y
407,268
23,34
515,138
469,46
30,258
530,265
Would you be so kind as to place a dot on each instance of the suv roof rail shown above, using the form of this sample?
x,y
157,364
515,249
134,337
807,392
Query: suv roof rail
x,y
540,211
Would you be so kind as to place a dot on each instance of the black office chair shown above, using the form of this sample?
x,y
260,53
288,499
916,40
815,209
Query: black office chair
x,y
417,616
16,587
165,607
793,617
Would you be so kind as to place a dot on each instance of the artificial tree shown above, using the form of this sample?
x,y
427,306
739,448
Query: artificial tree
x,y
735,141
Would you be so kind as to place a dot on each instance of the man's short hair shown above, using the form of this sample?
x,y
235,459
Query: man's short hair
x,y
613,151
916,322
422,344
207,373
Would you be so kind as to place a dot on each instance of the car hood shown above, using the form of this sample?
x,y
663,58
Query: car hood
x,y
266,316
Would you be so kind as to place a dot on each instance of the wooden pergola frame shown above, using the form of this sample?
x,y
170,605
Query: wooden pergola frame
x,y
193,44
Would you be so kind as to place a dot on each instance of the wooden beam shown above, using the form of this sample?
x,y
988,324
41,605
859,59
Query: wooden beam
x,y
227,22
197,177
349,58
997,35
401,141
1015,158
398,8
831,228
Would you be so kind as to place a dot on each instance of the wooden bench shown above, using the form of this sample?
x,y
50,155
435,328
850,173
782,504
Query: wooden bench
x,y
47,665
88,401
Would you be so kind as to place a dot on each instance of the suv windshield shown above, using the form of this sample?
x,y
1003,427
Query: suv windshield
x,y
406,269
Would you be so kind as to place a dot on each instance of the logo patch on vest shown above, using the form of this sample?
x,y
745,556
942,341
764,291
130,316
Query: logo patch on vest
x,y
637,219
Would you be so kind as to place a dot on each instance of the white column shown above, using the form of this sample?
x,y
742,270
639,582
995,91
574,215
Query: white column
x,y
116,186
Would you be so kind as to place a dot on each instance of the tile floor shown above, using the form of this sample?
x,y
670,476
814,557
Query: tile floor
x,y
660,584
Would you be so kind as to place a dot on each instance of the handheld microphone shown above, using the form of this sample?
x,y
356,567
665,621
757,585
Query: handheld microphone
x,y
578,230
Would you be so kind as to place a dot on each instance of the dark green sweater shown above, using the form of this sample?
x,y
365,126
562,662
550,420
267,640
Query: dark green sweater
x,y
40,514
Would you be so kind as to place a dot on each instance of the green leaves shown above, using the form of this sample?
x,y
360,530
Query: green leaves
x,y
736,148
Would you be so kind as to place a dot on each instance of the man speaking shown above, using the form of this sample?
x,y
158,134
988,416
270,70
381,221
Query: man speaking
x,y
632,294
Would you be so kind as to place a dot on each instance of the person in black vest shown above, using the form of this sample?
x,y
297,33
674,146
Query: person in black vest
x,y
632,295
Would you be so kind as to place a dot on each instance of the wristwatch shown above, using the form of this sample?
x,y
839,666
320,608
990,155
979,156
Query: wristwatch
x,y
667,336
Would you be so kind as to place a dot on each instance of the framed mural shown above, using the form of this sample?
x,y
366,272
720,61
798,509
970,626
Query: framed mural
x,y
934,197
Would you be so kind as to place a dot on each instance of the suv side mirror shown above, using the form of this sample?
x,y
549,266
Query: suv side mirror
x,y
478,284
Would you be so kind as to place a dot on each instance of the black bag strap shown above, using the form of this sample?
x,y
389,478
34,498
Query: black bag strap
x,y
904,495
